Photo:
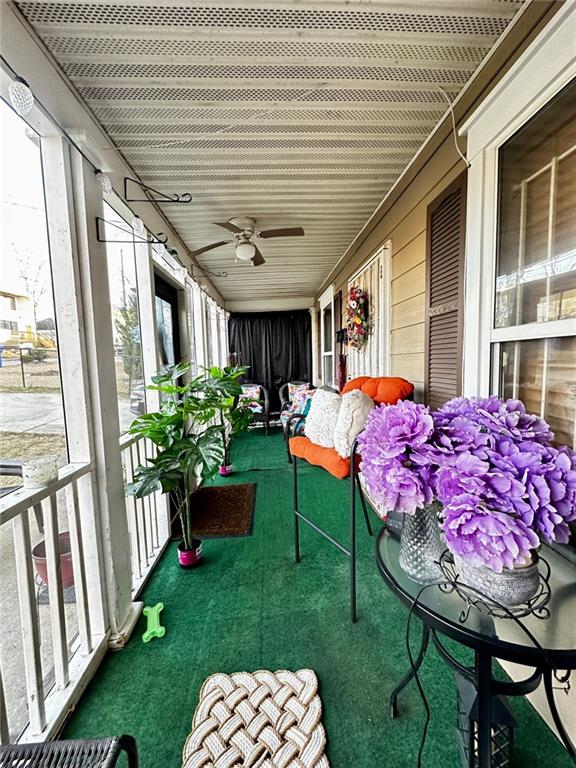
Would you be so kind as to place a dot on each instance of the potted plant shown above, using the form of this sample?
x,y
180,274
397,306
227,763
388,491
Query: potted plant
x,y
235,414
398,480
500,485
190,448
504,488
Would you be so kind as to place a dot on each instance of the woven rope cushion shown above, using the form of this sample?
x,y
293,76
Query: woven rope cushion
x,y
260,720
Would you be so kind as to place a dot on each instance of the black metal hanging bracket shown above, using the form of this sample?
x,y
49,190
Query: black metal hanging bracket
x,y
161,237
156,196
194,265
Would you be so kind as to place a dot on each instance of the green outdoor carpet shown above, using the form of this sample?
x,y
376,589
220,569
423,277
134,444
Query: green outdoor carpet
x,y
250,607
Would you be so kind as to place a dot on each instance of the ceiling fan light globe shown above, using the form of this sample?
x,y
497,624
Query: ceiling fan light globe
x,y
245,251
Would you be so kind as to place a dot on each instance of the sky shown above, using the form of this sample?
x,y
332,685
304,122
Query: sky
x,y
23,237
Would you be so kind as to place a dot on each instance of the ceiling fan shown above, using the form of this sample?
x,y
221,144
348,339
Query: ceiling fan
x,y
244,232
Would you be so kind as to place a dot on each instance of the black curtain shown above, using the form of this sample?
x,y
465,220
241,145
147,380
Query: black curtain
x,y
276,346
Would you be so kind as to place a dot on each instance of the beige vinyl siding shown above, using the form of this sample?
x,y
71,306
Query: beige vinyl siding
x,y
404,227
402,220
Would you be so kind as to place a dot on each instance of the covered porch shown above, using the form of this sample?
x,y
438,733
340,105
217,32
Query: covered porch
x,y
282,207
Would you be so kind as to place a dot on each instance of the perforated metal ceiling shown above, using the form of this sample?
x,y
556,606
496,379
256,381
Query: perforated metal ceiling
x,y
291,111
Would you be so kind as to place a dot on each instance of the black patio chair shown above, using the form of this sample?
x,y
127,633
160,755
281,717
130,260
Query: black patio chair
x,y
283,392
73,753
264,400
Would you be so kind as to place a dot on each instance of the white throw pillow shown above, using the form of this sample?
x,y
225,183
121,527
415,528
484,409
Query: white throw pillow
x,y
322,417
352,418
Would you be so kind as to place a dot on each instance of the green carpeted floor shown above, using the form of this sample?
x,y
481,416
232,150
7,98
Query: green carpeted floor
x,y
250,607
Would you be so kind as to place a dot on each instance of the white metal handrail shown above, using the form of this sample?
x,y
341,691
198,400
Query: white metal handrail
x,y
46,673
148,518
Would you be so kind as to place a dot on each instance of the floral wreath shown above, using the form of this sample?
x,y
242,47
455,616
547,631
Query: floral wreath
x,y
357,317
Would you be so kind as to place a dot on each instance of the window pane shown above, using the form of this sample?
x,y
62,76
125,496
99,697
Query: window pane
x,y
536,276
542,373
327,315
328,378
165,331
121,259
31,405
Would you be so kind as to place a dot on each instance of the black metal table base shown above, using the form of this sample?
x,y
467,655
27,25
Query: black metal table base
x,y
487,688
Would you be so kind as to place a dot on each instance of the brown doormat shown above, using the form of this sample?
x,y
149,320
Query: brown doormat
x,y
223,510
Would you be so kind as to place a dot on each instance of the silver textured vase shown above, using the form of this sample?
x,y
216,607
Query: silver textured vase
x,y
421,544
510,588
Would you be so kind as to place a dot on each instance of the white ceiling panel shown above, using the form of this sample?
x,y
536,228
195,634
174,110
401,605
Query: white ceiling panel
x,y
293,112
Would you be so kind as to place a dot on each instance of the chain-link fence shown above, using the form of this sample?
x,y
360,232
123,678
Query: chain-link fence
x,y
29,368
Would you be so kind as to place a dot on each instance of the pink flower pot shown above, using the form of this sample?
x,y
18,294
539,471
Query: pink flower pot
x,y
41,565
225,470
189,558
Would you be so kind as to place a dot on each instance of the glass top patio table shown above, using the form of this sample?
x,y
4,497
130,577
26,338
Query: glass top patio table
x,y
503,638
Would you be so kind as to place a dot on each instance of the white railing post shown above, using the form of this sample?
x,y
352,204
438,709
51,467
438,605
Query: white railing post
x,y
55,591
4,732
29,619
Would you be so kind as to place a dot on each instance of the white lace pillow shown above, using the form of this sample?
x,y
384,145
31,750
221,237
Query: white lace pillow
x,y
322,417
352,417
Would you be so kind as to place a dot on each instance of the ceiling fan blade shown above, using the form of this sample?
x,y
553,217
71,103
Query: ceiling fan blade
x,y
284,232
210,247
227,225
258,259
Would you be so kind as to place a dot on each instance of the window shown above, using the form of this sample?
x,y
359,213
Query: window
x,y
121,259
536,266
327,336
31,403
536,276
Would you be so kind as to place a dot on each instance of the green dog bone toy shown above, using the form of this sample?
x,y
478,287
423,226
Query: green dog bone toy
x,y
154,628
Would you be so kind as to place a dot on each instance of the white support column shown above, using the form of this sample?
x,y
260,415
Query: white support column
x,y
314,342
74,362
122,613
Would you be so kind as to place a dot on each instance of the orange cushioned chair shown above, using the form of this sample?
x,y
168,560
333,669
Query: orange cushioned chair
x,y
385,389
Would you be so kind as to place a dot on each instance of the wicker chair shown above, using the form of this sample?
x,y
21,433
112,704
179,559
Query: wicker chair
x,y
283,392
94,753
264,400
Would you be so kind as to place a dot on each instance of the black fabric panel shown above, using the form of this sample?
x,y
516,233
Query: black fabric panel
x,y
275,345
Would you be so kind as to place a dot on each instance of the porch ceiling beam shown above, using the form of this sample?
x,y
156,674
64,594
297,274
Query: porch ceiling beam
x,y
312,87
127,100
258,60
414,136
279,122
397,153
470,8
181,32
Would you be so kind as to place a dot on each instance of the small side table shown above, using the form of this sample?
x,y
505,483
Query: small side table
x,y
443,613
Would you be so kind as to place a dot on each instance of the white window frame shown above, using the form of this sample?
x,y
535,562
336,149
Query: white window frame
x,y
327,300
543,70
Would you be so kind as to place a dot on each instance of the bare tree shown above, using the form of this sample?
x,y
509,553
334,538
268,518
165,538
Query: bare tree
x,y
32,272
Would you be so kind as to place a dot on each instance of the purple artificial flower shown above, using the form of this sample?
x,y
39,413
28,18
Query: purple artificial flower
x,y
395,428
484,536
389,446
397,487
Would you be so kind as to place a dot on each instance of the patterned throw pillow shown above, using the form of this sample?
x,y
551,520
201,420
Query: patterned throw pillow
x,y
294,389
300,405
322,418
250,396
352,417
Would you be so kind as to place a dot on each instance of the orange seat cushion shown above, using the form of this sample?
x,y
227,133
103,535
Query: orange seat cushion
x,y
327,458
382,389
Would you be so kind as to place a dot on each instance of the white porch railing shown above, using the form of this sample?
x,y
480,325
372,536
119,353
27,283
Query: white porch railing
x,y
53,627
148,518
